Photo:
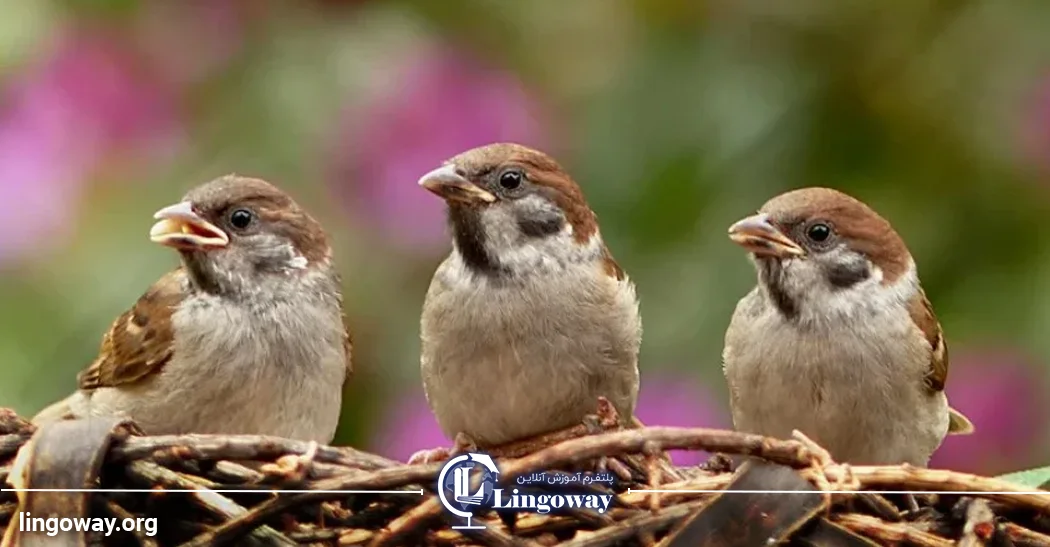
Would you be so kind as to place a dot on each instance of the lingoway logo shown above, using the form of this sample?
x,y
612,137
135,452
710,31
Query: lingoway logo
x,y
469,481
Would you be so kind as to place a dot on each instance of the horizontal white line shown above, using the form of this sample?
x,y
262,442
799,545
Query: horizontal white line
x,y
420,492
168,491
950,492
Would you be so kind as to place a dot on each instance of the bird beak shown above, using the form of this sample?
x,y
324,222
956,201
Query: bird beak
x,y
758,235
452,186
180,227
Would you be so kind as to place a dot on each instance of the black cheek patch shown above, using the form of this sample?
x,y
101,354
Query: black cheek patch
x,y
541,224
844,276
470,240
772,275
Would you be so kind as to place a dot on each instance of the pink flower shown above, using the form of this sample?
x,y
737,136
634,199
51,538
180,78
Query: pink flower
x,y
408,426
60,118
443,104
682,401
1004,395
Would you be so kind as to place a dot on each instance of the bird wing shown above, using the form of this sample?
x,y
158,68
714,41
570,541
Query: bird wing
x,y
937,373
922,315
140,341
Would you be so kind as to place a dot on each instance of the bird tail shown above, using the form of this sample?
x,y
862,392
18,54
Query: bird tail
x,y
959,424
56,412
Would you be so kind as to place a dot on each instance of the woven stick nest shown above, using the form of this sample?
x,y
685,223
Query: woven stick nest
x,y
108,454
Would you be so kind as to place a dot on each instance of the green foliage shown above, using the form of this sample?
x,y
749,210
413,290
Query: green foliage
x,y
1032,478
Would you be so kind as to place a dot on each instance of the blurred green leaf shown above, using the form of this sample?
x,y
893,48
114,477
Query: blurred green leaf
x,y
1032,478
25,23
103,8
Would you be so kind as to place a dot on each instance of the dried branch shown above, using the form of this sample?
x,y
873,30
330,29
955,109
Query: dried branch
x,y
907,477
334,502
216,504
894,532
1023,537
172,448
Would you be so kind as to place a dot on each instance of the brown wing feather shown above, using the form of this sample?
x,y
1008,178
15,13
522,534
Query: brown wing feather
x,y
348,346
609,265
937,374
348,341
922,314
139,342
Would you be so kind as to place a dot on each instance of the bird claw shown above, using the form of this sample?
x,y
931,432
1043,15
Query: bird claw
x,y
608,417
430,455
592,425
462,445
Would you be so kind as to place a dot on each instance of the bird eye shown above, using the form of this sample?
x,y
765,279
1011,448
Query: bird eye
x,y
241,218
510,179
819,232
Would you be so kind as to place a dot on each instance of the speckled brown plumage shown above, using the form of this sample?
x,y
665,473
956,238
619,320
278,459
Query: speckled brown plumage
x,y
139,342
921,313
248,336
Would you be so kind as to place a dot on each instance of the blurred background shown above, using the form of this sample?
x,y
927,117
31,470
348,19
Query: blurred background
x,y
677,117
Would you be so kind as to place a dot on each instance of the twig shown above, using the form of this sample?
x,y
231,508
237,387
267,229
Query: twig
x,y
716,482
355,537
383,479
533,524
166,448
894,532
315,535
204,463
646,522
488,536
409,523
120,513
234,472
11,442
7,510
667,438
915,478
879,505
215,503
10,422
1022,536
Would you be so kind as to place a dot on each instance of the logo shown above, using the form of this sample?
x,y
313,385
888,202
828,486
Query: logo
x,y
460,481
470,481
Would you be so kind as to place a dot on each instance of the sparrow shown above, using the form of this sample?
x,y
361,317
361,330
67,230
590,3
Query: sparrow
x,y
247,336
529,320
838,339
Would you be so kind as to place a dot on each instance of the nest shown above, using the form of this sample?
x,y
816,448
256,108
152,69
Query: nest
x,y
209,490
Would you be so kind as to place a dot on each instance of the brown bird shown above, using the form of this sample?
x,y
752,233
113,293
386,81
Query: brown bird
x,y
246,337
529,320
838,339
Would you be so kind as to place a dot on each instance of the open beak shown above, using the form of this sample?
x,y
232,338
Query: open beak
x,y
451,186
180,227
758,235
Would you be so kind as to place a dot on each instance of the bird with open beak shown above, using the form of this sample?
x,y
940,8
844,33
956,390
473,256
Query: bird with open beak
x,y
529,321
246,337
837,340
